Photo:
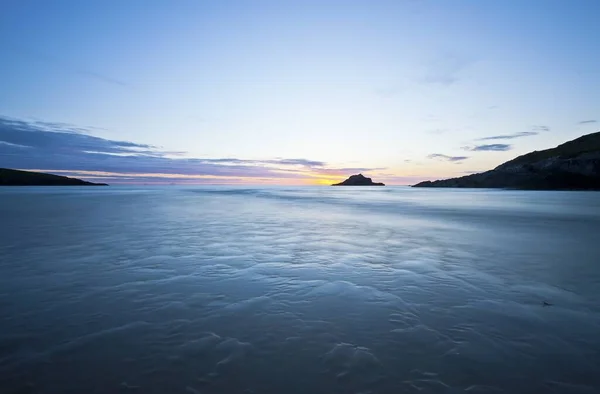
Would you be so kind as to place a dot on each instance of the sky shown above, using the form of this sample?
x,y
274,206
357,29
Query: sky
x,y
292,92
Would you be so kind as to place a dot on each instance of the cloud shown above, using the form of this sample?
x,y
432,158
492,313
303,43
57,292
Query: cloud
x,y
445,69
65,65
436,131
60,138
509,136
59,147
285,162
346,171
473,172
489,147
588,121
13,145
446,157
541,128
300,162
431,118
536,130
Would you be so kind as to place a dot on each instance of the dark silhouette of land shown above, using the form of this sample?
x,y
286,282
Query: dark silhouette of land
x,y
358,180
574,165
10,177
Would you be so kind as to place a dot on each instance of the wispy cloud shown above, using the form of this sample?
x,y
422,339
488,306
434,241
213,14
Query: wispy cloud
x,y
588,121
299,162
509,136
13,145
60,138
440,156
59,147
540,128
472,172
436,131
66,65
431,118
445,69
488,147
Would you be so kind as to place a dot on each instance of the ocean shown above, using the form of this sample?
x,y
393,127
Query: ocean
x,y
221,289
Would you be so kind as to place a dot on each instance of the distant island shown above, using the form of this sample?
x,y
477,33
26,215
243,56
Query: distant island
x,y
358,180
574,165
10,177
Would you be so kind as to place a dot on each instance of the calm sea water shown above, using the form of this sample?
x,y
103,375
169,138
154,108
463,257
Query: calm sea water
x,y
298,290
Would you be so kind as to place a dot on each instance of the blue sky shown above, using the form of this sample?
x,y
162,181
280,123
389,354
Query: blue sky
x,y
292,91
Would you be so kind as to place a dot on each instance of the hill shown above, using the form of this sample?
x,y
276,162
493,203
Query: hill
x,y
358,180
574,165
10,177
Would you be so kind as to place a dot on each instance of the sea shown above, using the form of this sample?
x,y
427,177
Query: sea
x,y
283,290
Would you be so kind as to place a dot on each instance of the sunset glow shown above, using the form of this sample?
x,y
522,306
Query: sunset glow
x,y
292,92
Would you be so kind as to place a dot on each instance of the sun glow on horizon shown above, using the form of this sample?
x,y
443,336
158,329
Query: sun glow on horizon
x,y
327,181
299,177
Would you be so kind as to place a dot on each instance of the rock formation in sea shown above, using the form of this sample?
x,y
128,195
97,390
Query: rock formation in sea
x,y
10,177
358,180
574,165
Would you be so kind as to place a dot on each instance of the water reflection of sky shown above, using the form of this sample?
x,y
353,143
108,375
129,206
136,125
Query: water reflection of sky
x,y
226,289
